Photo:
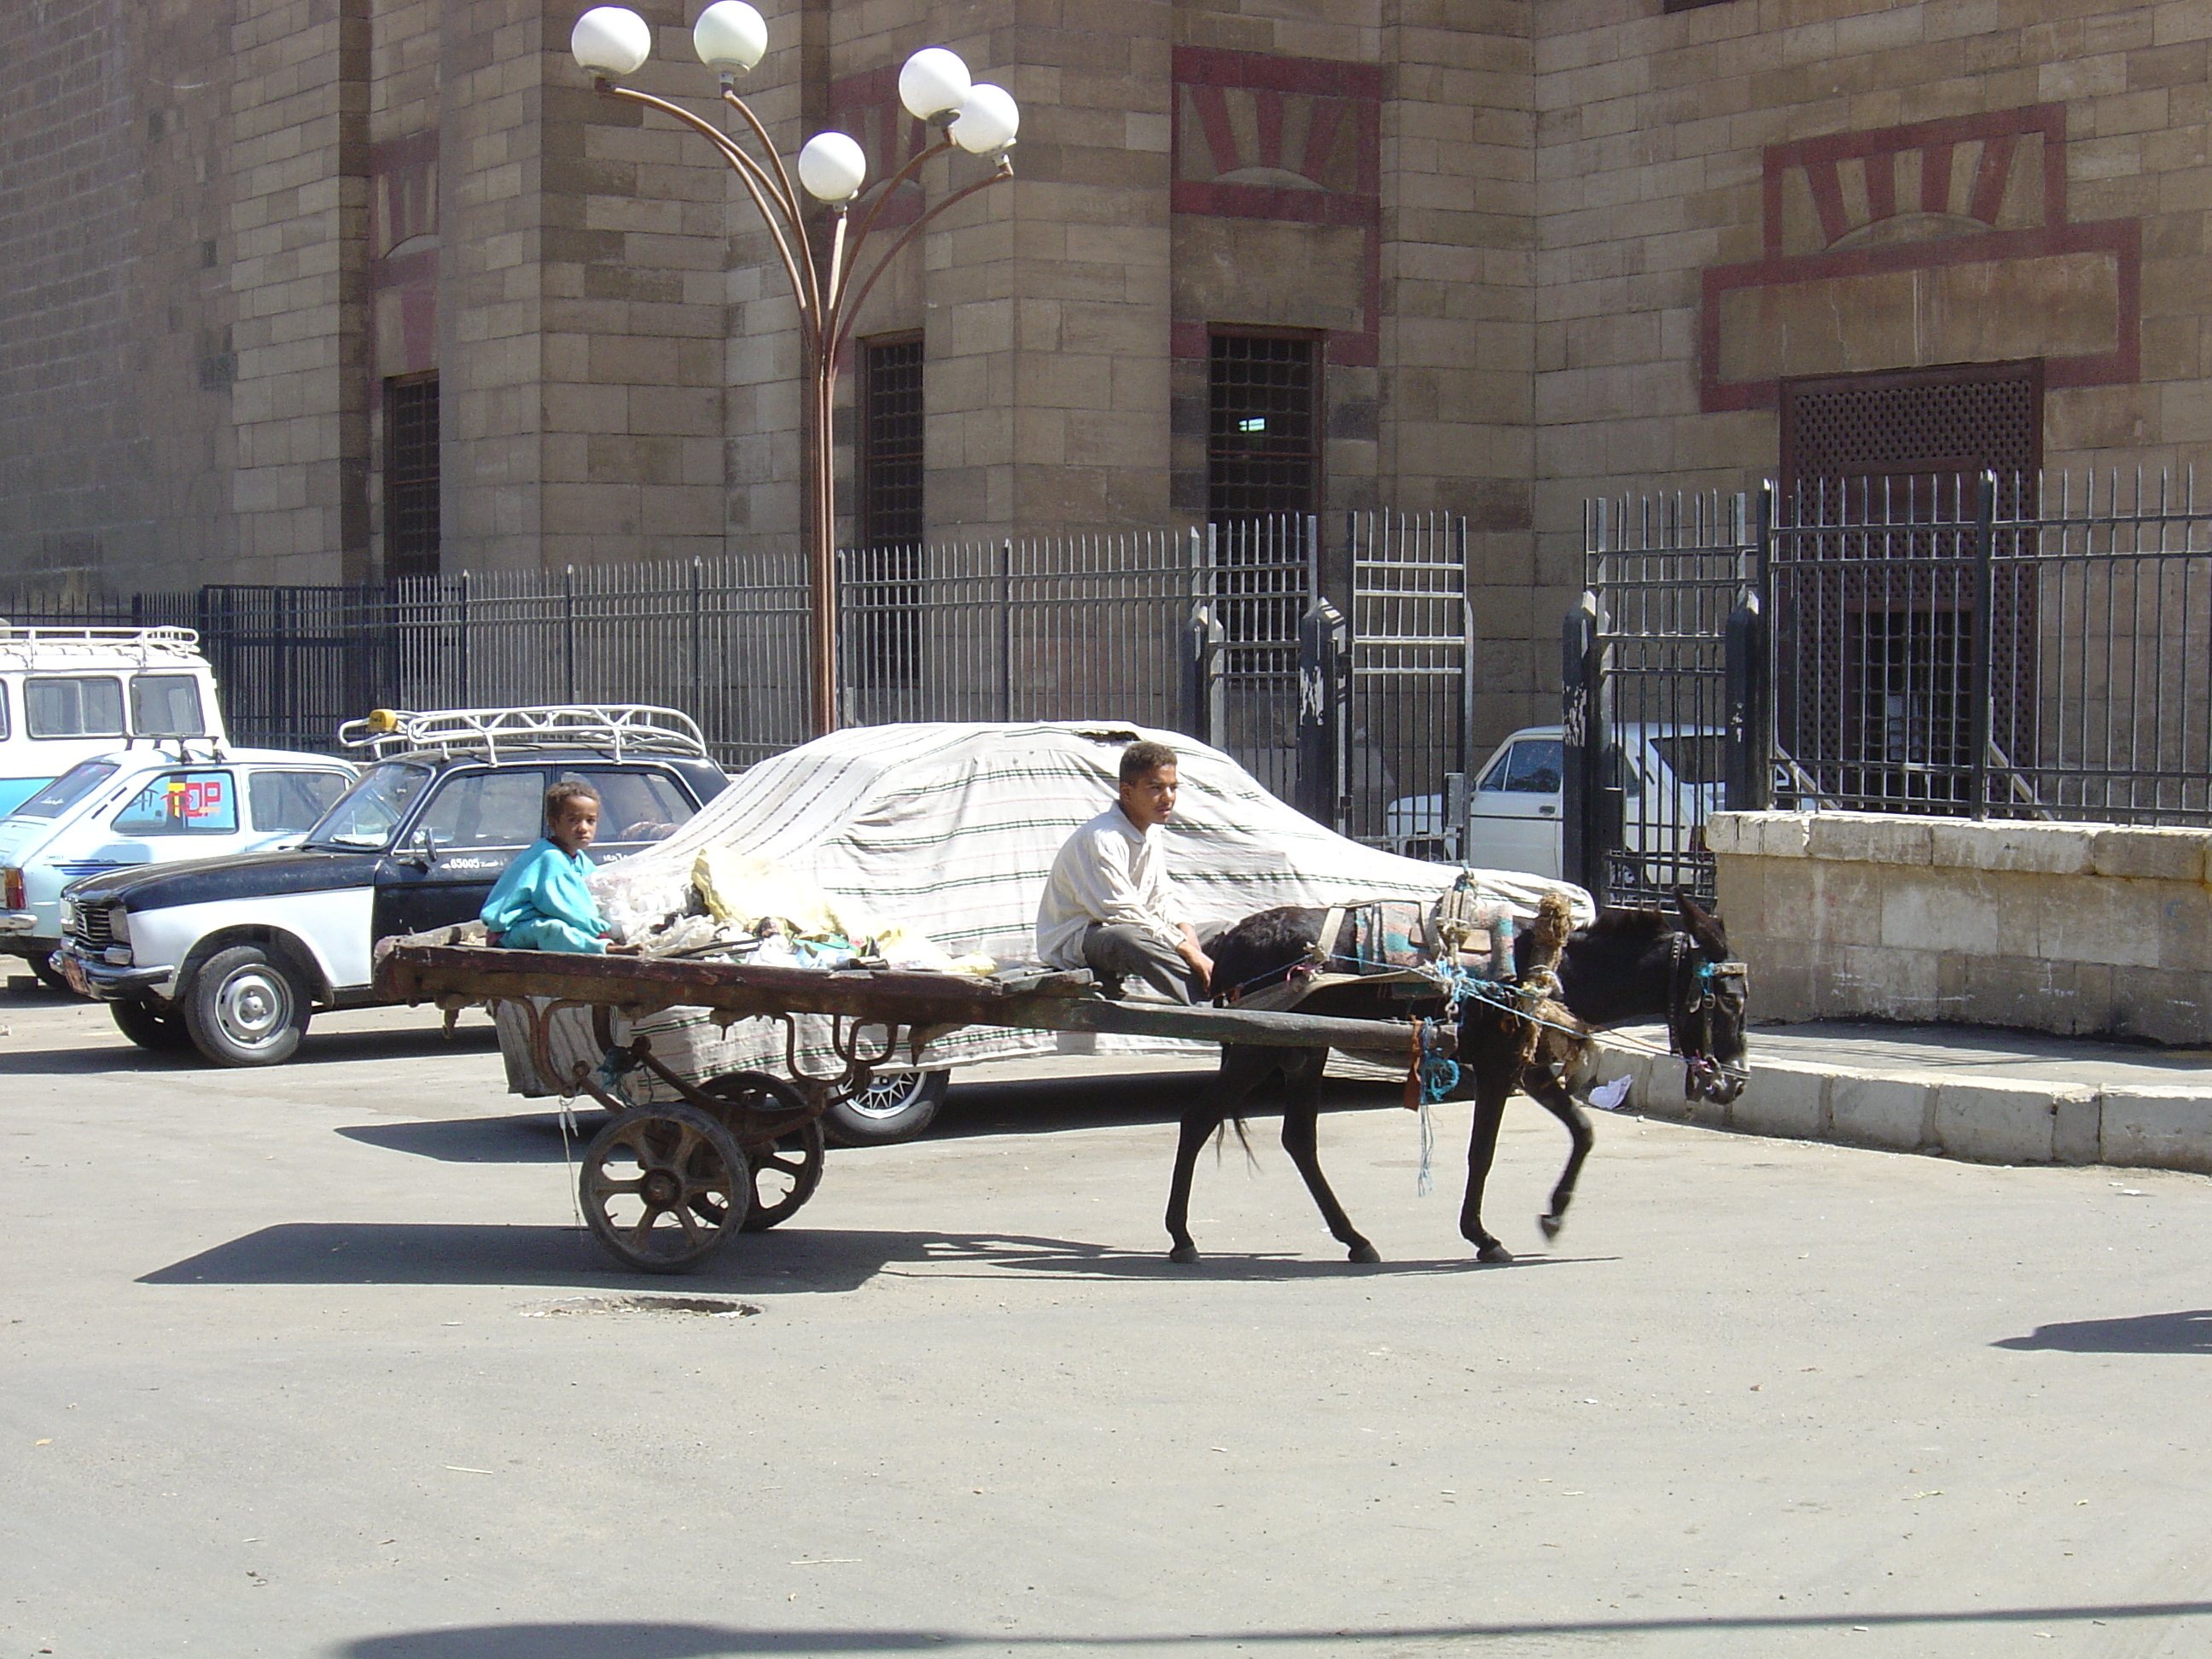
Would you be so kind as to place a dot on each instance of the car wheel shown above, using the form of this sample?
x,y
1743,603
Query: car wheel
x,y
892,1107
150,1028
246,1007
51,976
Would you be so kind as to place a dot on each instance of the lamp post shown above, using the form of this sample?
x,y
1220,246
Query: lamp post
x,y
731,36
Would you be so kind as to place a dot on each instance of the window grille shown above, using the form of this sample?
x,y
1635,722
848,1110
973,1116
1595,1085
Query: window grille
x,y
410,475
1263,433
880,597
1875,607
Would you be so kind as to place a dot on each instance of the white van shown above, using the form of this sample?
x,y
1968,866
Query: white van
x,y
69,694
1671,781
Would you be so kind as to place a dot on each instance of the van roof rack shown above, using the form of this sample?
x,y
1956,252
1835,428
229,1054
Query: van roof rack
x,y
622,728
147,642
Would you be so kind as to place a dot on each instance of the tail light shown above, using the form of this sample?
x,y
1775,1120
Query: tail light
x,y
11,890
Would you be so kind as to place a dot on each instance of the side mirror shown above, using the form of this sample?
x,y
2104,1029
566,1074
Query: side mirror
x,y
422,848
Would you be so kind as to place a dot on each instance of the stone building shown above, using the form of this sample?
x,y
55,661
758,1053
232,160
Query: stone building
x,y
321,291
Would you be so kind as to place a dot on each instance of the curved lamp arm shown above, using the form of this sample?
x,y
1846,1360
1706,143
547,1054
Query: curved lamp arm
x,y
848,312
806,285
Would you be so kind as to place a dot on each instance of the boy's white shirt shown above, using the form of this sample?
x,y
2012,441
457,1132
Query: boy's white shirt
x,y
1109,871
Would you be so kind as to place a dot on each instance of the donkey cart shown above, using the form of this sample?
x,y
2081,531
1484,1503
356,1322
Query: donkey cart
x,y
664,1185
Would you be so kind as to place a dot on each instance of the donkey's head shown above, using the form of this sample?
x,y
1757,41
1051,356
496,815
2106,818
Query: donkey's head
x,y
1707,1019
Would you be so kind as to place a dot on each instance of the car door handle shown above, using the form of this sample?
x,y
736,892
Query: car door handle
x,y
1548,810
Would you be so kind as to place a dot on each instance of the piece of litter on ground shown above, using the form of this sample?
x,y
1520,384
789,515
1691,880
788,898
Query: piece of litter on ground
x,y
47,1441
1917,1496
1589,1402
463,1468
1858,1627
1608,1096
1220,1449
2125,1192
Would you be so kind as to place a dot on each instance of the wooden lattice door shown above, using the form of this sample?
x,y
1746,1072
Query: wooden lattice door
x,y
1877,577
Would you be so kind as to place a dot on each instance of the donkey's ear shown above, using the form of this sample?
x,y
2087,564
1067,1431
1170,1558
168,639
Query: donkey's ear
x,y
1701,924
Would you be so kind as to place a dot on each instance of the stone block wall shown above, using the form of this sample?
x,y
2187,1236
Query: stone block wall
x,y
2080,929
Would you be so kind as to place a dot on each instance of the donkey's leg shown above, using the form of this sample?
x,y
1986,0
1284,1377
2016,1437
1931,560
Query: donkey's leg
x,y
1301,1141
1490,1049
1550,1091
1243,1068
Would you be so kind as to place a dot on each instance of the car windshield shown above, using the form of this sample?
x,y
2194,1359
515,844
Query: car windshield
x,y
366,814
1699,759
67,790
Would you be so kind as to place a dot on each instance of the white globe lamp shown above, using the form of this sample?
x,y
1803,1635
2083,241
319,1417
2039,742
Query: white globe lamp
x,y
987,121
610,41
832,167
933,85
730,37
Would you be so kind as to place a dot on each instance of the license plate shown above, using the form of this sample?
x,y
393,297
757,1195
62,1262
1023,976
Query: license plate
x,y
74,973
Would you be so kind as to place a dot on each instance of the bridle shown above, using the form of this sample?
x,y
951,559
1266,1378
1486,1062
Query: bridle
x,y
1694,989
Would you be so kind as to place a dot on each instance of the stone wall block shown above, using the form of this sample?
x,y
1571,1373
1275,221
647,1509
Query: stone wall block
x,y
2076,1128
2155,854
1932,910
1782,1099
1894,1113
2057,850
1869,838
2157,1131
1997,1123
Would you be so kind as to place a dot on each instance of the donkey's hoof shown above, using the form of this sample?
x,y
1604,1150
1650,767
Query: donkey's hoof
x,y
1184,1253
1363,1253
1551,1224
1494,1252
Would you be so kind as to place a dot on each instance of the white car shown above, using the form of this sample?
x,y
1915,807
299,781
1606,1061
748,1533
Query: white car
x,y
153,805
1671,781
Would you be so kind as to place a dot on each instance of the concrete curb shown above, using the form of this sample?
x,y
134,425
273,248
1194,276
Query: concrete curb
x,y
1978,1120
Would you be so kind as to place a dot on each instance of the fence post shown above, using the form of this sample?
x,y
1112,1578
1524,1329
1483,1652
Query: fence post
x,y
1324,688
568,628
1205,697
1984,636
1748,776
467,686
1581,859
698,706
1006,629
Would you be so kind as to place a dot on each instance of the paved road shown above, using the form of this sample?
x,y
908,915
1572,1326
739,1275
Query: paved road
x,y
283,1372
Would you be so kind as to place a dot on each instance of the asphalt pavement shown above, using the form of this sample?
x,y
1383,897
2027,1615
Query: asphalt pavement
x,y
314,1361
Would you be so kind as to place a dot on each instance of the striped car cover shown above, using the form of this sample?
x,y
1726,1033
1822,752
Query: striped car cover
x,y
952,829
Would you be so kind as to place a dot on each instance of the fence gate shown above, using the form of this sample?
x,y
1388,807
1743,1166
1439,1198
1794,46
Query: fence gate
x,y
1412,679
1662,669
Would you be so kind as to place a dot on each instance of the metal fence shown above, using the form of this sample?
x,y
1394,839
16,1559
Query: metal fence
x,y
1195,631
1996,646
2031,647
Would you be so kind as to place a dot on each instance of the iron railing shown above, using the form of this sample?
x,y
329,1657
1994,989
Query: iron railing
x,y
1977,646
1196,631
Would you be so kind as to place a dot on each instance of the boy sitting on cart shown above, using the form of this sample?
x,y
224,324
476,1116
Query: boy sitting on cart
x,y
1109,905
541,903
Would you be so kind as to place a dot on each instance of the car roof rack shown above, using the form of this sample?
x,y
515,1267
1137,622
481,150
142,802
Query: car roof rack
x,y
622,728
146,643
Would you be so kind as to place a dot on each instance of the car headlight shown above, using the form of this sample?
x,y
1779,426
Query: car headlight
x,y
69,916
119,924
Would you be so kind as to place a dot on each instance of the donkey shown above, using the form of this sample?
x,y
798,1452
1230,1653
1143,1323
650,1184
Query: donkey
x,y
1629,965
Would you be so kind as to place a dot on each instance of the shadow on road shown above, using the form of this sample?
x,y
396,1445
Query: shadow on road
x,y
316,1048
789,1259
2163,1333
643,1639
528,1138
1043,1106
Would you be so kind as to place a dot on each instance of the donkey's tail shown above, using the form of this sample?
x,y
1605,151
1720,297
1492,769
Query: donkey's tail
x,y
1243,1139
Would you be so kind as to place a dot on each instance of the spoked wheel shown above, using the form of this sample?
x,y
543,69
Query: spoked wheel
x,y
663,1187
786,1171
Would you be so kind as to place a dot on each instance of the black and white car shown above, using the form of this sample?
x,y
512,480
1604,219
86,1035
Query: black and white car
x,y
230,956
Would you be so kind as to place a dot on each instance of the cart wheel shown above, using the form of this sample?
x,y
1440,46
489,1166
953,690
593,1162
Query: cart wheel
x,y
663,1187
787,1171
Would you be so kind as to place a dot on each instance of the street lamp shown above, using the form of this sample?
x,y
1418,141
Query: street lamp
x,y
731,36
